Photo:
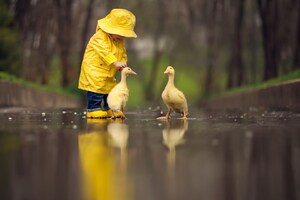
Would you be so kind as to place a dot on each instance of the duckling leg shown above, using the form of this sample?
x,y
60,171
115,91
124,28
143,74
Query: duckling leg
x,y
184,115
168,115
123,113
113,115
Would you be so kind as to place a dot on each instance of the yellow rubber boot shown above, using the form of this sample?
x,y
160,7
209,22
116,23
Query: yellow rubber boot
x,y
96,114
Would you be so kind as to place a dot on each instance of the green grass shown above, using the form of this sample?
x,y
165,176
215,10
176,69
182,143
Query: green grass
x,y
260,85
14,79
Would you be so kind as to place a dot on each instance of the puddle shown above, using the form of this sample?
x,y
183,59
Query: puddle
x,y
59,154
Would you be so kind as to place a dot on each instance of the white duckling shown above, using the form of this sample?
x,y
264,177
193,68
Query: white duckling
x,y
172,97
118,96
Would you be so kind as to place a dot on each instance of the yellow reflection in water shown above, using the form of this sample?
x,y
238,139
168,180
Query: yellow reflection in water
x,y
104,170
173,136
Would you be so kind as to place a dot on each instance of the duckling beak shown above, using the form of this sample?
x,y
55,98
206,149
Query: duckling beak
x,y
166,71
134,73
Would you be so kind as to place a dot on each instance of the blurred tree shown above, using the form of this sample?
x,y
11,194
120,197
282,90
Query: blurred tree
x,y
268,10
296,61
236,69
211,40
86,24
9,50
65,39
112,4
157,35
252,36
221,43
35,21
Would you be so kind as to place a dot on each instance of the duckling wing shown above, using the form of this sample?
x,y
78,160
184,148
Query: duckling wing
x,y
180,97
117,97
183,105
175,99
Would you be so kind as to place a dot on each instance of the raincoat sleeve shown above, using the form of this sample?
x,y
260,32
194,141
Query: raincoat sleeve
x,y
124,56
102,48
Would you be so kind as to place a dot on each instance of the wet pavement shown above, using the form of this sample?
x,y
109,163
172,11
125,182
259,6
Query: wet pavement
x,y
214,155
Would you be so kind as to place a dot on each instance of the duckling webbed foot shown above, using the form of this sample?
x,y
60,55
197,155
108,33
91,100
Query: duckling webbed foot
x,y
118,114
167,117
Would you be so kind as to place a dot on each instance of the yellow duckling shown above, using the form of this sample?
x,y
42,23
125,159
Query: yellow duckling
x,y
118,96
172,97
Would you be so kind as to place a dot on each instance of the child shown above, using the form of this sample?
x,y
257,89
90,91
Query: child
x,y
105,54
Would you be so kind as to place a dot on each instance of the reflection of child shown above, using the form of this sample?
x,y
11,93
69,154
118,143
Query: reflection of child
x,y
105,54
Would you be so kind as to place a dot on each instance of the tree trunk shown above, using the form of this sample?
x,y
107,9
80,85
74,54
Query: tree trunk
x,y
37,38
64,8
296,62
236,67
159,29
253,45
238,43
150,87
210,68
87,22
268,10
211,50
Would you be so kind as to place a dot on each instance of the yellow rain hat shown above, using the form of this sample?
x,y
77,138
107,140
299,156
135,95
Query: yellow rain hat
x,y
119,22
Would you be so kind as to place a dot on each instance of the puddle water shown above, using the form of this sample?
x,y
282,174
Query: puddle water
x,y
59,154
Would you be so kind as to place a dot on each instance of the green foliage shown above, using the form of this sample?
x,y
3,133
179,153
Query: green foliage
x,y
55,77
279,80
58,90
55,72
189,85
136,96
9,47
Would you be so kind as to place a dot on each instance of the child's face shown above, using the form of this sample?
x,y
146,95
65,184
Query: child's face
x,y
117,38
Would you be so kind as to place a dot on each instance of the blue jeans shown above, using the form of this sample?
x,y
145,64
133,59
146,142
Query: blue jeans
x,y
96,101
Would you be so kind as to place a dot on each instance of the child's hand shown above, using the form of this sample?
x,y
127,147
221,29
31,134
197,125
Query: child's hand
x,y
120,65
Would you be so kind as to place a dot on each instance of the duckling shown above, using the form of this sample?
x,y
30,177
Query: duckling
x,y
172,97
118,96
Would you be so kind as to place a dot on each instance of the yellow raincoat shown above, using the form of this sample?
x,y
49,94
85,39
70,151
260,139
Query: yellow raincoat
x,y
97,72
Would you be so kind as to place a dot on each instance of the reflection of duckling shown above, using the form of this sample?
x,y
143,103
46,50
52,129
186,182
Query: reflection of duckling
x,y
172,97
118,96
173,136
119,135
